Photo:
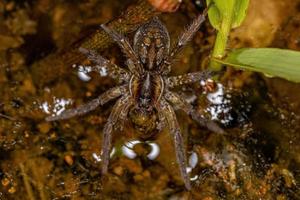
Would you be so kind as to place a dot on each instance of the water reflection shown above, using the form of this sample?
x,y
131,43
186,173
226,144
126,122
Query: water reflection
x,y
192,163
83,76
220,104
128,149
193,160
97,157
154,152
228,107
82,71
58,106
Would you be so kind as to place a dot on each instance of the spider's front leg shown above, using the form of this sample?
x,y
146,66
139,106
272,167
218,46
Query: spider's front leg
x,y
187,35
118,113
112,70
180,103
173,81
184,38
135,66
92,105
170,117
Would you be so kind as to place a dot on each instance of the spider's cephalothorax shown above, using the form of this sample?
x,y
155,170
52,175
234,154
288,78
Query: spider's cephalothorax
x,y
145,95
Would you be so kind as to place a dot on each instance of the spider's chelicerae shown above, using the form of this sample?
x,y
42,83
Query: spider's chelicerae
x,y
145,95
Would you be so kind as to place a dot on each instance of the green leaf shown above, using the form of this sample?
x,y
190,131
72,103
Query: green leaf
x,y
221,10
270,61
214,15
240,12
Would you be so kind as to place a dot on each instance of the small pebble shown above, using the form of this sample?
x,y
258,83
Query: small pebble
x,y
12,190
5,182
69,160
44,127
118,170
138,178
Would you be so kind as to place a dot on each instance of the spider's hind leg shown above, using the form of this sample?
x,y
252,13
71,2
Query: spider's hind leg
x,y
170,117
180,103
118,113
173,81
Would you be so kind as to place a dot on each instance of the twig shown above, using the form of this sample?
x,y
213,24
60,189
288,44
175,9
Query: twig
x,y
38,183
26,183
7,117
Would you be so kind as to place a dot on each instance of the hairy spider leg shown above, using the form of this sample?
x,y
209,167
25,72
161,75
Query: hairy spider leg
x,y
113,70
180,103
184,38
161,124
173,81
134,64
118,113
170,117
92,105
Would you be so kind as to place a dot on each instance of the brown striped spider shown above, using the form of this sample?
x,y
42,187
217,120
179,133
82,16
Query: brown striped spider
x,y
145,95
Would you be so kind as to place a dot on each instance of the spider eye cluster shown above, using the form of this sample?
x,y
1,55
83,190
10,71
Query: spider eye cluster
x,y
144,102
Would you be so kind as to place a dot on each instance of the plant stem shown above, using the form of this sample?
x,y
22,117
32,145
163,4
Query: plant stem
x,y
222,36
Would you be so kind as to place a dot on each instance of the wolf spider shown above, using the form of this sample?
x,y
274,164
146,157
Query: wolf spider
x,y
145,94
